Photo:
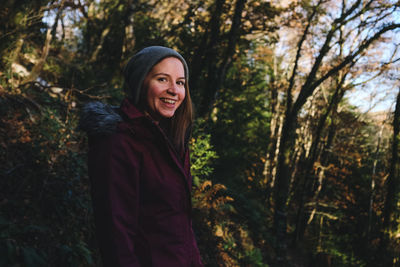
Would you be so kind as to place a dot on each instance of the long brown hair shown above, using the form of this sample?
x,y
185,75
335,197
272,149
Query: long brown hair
x,y
182,120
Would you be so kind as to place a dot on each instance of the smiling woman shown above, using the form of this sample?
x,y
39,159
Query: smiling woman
x,y
139,165
165,86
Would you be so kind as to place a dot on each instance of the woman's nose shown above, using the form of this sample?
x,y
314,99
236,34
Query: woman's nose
x,y
173,88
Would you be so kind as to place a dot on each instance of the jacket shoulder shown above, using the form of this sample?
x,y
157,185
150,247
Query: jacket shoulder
x,y
98,118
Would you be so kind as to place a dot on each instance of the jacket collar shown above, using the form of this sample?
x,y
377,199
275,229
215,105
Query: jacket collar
x,y
130,110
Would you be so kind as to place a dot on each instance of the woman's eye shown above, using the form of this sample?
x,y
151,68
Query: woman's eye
x,y
162,79
181,83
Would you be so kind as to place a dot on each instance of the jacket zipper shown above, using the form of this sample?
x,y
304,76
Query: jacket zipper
x,y
171,146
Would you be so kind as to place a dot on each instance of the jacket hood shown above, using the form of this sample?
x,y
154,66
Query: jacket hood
x,y
99,119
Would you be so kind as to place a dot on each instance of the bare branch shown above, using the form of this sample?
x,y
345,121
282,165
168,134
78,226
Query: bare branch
x,y
298,53
309,86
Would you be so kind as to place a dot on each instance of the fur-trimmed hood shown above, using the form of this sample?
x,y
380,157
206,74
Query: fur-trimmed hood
x,y
99,119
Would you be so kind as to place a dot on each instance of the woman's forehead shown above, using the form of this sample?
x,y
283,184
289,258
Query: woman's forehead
x,y
170,66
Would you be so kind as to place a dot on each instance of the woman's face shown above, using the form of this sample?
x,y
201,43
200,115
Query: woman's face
x,y
165,85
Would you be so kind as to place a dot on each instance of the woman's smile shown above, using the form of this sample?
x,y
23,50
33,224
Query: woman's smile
x,y
168,101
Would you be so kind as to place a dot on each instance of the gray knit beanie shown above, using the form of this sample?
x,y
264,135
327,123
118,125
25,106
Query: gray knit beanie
x,y
141,63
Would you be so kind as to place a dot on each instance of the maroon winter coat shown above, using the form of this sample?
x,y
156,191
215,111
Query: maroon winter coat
x,y
140,191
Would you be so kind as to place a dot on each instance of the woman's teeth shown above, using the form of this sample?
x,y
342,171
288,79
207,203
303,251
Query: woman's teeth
x,y
169,101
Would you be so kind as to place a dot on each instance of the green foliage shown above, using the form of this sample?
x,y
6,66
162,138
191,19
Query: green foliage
x,y
216,219
202,156
45,203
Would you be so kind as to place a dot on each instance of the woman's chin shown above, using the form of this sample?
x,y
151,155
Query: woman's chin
x,y
167,115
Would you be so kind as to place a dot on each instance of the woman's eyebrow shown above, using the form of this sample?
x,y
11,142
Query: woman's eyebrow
x,y
161,73
166,74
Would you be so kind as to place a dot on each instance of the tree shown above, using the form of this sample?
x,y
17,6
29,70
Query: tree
x,y
369,31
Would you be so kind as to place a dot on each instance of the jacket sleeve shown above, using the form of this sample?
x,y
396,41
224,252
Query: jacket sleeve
x,y
114,175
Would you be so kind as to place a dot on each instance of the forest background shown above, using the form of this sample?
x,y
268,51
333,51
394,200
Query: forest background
x,y
288,171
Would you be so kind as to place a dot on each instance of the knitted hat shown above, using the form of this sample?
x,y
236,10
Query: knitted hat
x,y
141,63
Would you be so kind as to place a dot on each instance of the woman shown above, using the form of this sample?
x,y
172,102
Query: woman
x,y
139,165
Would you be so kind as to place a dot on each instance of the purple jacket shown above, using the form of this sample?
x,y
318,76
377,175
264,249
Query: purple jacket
x,y
140,191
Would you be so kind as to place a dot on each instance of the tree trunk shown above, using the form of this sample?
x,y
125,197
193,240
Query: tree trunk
x,y
384,255
206,50
282,187
372,195
392,180
216,75
39,65
307,174
275,133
